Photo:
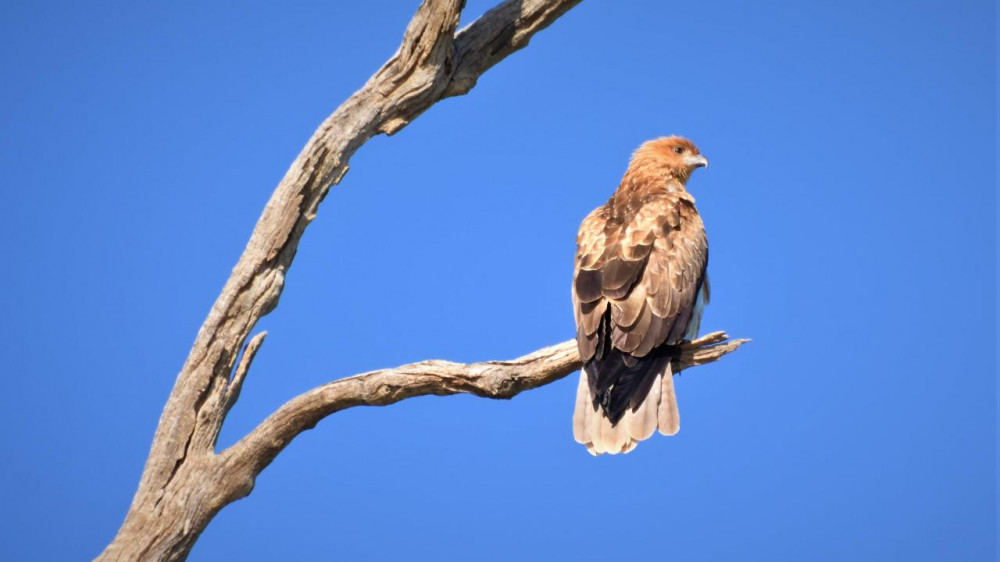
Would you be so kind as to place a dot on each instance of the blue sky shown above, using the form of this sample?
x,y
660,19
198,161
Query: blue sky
x,y
851,208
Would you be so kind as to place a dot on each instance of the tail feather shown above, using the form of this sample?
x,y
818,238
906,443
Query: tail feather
x,y
584,412
669,422
614,436
658,410
644,420
594,434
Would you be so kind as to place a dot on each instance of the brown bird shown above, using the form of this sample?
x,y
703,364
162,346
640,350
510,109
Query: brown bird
x,y
639,287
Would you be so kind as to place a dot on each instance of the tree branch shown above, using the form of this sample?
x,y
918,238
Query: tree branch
x,y
492,379
183,483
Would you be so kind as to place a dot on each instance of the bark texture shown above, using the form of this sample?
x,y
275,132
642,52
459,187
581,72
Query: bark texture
x,y
185,482
492,379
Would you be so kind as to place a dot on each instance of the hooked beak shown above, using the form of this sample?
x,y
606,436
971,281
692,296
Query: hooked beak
x,y
698,161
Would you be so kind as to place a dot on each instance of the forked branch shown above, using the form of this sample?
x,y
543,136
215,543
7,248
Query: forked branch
x,y
184,483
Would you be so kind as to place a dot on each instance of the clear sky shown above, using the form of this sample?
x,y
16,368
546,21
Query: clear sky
x,y
851,208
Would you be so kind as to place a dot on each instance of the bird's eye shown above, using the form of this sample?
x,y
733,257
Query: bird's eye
x,y
679,149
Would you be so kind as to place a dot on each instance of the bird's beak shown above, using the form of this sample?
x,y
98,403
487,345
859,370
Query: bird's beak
x,y
698,161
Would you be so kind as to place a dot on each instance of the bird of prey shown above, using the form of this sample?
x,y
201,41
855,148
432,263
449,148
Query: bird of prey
x,y
639,288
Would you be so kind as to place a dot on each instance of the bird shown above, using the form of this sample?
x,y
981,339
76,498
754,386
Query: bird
x,y
640,285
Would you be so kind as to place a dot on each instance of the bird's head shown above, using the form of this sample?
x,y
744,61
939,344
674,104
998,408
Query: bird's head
x,y
674,155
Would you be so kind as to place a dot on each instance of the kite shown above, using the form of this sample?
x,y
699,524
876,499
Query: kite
x,y
639,288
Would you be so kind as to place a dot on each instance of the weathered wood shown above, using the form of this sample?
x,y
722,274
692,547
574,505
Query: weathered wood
x,y
492,379
180,489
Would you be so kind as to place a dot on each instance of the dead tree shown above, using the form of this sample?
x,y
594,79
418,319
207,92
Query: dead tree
x,y
185,482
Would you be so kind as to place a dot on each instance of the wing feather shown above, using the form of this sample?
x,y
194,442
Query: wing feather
x,y
637,277
625,312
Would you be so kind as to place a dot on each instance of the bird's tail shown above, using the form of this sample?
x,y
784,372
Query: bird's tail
x,y
658,410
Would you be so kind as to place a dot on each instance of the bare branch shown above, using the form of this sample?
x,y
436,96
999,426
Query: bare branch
x,y
501,31
492,379
183,483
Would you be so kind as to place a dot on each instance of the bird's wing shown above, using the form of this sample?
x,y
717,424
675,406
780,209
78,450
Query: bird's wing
x,y
588,312
675,272
649,270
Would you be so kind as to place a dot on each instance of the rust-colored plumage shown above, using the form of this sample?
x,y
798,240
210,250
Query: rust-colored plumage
x,y
639,286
